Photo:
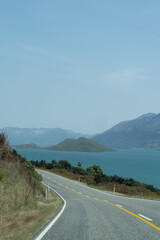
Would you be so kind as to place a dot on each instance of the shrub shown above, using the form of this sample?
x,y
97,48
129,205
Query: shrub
x,y
64,164
3,139
78,170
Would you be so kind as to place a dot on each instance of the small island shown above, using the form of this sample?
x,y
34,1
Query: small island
x,y
81,144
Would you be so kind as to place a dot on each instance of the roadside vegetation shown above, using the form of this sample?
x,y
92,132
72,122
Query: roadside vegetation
x,y
95,177
23,207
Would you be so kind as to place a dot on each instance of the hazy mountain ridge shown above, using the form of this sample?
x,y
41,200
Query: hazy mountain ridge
x,y
31,146
81,144
142,132
42,137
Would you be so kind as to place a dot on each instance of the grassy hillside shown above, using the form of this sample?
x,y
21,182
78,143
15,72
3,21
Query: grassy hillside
x,y
80,145
22,198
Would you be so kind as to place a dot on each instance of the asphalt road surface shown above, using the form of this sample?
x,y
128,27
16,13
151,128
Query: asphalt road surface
x,y
90,214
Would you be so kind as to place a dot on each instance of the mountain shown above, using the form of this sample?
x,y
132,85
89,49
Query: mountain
x,y
81,144
32,145
40,136
142,132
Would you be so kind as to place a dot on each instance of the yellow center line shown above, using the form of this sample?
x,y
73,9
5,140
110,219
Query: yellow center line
x,y
135,215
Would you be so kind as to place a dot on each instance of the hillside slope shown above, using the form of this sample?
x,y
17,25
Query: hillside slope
x,y
23,206
142,132
79,145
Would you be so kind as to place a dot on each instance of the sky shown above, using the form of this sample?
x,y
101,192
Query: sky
x,y
79,65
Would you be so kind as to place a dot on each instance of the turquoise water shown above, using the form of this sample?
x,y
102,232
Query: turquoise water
x,y
142,165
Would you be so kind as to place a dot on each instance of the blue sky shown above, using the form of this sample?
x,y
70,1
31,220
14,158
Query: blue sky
x,y
78,65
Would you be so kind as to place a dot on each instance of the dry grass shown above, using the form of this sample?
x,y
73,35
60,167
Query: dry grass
x,y
23,207
22,211
15,191
23,223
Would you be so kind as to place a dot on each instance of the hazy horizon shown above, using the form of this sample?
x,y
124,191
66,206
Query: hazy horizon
x,y
83,66
71,129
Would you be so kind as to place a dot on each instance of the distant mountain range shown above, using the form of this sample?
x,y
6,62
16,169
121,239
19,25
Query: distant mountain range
x,y
30,146
40,136
142,132
81,144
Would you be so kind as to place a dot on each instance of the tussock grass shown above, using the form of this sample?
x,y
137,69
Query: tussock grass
x,y
25,222
23,207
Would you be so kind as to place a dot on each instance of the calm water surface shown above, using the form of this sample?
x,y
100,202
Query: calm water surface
x,y
142,165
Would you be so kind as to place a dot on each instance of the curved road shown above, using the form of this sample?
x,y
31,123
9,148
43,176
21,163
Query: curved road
x,y
96,215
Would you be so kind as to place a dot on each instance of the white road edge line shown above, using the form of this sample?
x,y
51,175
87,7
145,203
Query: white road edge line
x,y
145,217
55,219
119,205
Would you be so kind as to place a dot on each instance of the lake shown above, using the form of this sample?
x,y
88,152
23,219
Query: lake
x,y
142,165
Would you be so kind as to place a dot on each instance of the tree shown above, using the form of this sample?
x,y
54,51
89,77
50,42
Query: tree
x,y
49,166
54,162
43,163
65,164
79,164
95,170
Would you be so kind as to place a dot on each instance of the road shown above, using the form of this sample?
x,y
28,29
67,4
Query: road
x,y
96,215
